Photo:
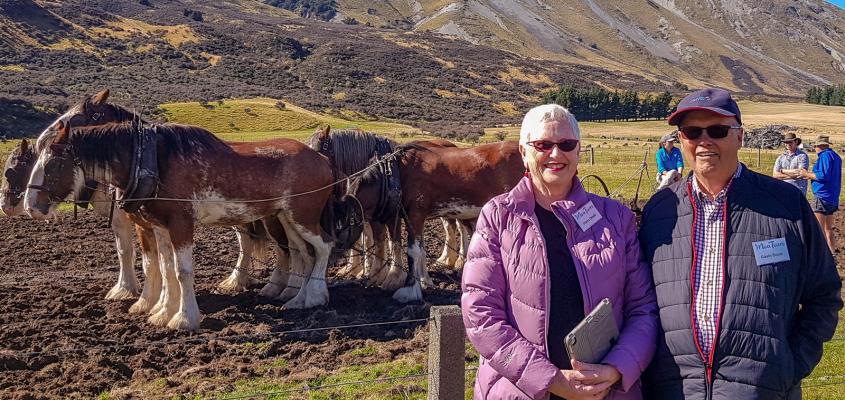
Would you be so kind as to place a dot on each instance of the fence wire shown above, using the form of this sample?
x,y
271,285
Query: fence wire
x,y
207,338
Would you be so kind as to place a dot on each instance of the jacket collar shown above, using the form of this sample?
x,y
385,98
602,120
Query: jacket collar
x,y
739,185
520,200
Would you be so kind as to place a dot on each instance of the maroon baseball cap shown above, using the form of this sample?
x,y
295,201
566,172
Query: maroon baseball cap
x,y
717,101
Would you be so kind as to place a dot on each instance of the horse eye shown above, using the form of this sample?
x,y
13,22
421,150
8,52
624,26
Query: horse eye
x,y
9,174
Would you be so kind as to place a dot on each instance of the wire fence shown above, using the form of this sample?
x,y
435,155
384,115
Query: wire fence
x,y
207,338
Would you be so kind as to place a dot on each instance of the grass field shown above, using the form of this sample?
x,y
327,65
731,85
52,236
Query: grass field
x,y
811,119
619,150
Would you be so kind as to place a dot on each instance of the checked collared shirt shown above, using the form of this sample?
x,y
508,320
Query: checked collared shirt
x,y
709,242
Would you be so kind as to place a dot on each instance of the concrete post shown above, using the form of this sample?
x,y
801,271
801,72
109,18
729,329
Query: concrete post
x,y
446,379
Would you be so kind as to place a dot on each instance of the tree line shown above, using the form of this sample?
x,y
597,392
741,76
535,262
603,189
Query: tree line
x,y
599,104
828,96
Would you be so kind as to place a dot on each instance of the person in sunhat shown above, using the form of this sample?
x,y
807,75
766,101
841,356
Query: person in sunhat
x,y
669,157
746,285
788,166
827,183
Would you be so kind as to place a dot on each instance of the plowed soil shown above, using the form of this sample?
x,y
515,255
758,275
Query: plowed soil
x,y
60,338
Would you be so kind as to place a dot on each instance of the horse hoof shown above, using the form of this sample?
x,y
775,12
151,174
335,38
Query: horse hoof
x,y
182,322
296,303
270,290
122,292
141,306
288,294
231,285
408,294
317,294
160,318
394,280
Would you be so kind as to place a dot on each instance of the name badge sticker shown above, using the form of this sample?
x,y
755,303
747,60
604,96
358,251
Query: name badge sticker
x,y
771,251
587,216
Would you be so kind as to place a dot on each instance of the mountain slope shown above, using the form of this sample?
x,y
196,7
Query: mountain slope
x,y
777,47
51,53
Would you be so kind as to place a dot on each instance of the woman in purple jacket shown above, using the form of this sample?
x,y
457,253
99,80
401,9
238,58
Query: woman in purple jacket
x,y
543,255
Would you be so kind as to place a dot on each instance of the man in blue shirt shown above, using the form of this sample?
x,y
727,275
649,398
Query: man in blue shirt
x,y
669,157
827,183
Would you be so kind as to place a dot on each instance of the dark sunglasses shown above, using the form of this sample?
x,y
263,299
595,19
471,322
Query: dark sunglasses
x,y
545,145
714,131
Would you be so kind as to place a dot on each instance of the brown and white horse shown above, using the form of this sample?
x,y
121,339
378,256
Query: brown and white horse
x,y
437,180
220,186
92,111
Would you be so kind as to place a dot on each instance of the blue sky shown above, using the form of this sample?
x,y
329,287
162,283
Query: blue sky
x,y
840,3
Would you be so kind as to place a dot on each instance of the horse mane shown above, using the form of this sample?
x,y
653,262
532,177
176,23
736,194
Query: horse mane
x,y
97,143
122,114
352,149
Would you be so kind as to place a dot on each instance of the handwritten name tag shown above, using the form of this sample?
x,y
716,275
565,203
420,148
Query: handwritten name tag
x,y
771,251
587,216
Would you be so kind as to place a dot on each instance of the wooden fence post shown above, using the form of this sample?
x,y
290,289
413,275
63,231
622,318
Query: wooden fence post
x,y
758,156
446,338
592,155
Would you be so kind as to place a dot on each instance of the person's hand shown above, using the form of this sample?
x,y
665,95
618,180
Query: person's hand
x,y
569,385
597,375
802,173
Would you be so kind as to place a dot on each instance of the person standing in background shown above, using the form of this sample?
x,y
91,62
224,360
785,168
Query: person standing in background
x,y
669,157
827,184
788,166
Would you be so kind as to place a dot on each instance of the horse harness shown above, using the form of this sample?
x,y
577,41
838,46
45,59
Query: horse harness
x,y
390,187
143,172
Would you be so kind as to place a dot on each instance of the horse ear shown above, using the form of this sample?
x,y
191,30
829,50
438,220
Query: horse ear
x,y
64,131
24,145
326,132
100,98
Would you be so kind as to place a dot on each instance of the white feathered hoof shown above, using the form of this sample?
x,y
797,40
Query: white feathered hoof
x,y
270,290
122,292
182,321
296,303
394,279
233,284
160,318
140,307
317,293
443,261
288,294
459,265
408,294
350,269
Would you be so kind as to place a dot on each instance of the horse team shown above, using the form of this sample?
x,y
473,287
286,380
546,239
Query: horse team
x,y
309,203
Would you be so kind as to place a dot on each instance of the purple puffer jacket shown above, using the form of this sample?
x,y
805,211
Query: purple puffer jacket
x,y
505,299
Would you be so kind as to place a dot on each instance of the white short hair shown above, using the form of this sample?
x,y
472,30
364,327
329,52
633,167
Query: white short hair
x,y
537,116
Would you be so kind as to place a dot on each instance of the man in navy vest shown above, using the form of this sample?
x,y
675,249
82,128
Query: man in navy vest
x,y
747,287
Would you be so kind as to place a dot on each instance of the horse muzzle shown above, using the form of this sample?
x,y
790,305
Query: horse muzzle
x,y
38,205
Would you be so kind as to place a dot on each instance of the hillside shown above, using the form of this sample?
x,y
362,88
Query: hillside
x,y
52,53
776,47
